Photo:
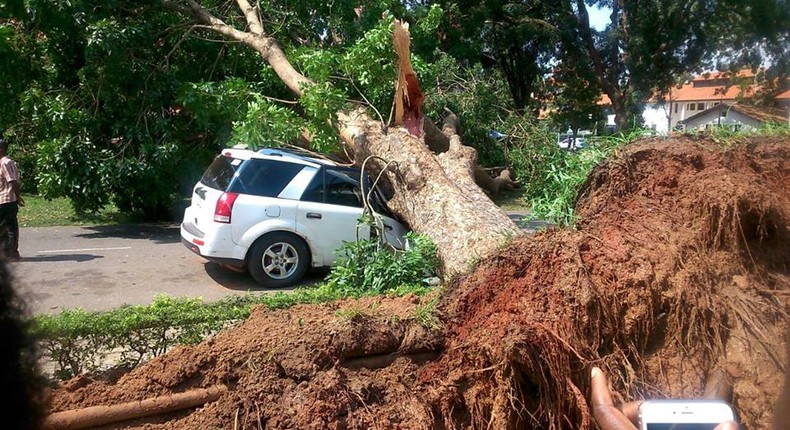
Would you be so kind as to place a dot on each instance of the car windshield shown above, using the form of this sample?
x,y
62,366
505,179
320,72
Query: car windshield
x,y
220,172
255,176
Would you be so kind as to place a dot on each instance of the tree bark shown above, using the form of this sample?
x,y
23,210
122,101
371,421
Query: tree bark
x,y
435,194
606,80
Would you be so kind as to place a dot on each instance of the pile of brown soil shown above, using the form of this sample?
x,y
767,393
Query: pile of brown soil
x,y
679,269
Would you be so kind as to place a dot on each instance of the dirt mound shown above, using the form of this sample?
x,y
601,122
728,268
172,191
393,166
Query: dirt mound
x,y
679,270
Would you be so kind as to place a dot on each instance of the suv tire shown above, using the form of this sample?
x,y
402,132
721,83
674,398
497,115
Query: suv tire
x,y
278,260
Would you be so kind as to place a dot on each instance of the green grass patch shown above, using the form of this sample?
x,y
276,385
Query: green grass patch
x,y
551,176
41,212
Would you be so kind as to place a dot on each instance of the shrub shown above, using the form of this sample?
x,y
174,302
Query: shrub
x,y
78,341
367,266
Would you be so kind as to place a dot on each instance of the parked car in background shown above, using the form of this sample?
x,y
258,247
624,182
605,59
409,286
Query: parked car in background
x,y
278,212
572,142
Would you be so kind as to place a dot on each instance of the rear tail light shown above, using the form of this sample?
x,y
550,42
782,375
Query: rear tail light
x,y
224,207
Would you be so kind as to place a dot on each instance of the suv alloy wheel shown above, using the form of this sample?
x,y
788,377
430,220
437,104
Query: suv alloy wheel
x,y
278,260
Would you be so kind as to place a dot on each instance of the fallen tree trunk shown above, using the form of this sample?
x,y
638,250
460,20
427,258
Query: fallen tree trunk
x,y
437,195
100,415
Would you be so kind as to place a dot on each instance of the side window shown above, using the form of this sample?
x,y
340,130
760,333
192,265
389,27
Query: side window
x,y
342,188
266,178
314,192
219,174
335,187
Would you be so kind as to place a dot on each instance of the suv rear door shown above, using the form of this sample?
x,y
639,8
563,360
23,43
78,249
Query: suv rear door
x,y
329,211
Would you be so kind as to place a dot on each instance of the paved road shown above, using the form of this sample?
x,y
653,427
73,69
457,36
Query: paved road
x,y
104,267
101,268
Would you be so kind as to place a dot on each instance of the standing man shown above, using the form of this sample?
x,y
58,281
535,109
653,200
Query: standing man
x,y
10,201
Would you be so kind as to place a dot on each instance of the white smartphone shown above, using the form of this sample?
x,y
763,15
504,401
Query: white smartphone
x,y
684,414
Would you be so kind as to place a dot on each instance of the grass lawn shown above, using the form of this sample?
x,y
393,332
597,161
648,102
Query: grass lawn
x,y
39,212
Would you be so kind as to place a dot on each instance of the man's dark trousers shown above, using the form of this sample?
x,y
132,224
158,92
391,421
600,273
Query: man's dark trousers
x,y
9,230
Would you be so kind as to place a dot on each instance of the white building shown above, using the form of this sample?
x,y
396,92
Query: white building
x,y
700,95
735,117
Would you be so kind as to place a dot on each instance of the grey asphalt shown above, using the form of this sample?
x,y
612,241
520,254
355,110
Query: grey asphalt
x,y
103,267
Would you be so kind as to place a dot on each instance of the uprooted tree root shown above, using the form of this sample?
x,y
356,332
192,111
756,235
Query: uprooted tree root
x,y
678,271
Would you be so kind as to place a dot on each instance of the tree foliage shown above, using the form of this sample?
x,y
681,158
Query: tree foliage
x,y
517,38
110,101
100,116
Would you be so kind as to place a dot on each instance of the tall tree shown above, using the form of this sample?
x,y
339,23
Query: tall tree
x,y
516,37
574,91
102,110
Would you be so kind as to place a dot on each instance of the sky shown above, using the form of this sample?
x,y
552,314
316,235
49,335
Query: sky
x,y
599,17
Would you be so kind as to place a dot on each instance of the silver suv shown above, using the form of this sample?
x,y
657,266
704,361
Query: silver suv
x,y
278,212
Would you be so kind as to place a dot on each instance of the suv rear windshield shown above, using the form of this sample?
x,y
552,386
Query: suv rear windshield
x,y
220,172
266,178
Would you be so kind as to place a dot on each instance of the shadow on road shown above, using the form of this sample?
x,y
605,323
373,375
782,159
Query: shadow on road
x,y
242,281
64,257
159,233
230,279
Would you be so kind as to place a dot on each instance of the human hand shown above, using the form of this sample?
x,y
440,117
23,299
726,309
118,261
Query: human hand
x,y
626,417
607,415
20,201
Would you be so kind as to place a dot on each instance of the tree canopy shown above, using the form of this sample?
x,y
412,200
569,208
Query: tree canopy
x,y
125,101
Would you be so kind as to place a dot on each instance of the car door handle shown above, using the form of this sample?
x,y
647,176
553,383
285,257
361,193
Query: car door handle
x,y
313,215
387,227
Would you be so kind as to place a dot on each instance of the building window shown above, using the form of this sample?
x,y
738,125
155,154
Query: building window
x,y
676,107
700,106
691,106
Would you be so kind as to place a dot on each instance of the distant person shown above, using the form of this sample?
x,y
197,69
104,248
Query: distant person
x,y
10,201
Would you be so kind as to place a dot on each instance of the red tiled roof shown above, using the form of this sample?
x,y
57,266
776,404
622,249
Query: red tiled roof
x,y
744,73
700,92
688,93
708,93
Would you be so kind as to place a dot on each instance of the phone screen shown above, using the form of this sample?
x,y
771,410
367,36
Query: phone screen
x,y
684,414
681,426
